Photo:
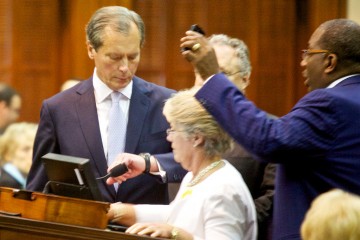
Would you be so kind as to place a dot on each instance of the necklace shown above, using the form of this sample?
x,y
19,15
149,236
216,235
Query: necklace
x,y
203,172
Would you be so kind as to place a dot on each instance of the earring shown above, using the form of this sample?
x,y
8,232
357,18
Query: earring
x,y
195,145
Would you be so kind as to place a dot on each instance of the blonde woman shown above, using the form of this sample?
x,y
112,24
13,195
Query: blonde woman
x,y
333,215
213,201
16,146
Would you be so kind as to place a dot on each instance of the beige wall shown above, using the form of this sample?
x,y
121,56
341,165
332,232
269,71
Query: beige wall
x,y
353,10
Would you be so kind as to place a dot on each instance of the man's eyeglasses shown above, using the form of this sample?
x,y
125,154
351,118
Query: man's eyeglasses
x,y
229,73
307,52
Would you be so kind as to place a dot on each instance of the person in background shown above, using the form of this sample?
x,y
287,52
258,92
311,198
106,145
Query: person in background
x,y
84,121
316,145
333,215
234,61
10,106
213,201
69,84
16,148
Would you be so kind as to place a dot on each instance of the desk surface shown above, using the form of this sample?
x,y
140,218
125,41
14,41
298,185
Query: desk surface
x,y
22,228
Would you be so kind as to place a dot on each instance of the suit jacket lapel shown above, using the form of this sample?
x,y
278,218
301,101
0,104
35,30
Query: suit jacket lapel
x,y
89,123
139,107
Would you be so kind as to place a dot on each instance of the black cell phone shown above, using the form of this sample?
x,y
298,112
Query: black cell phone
x,y
195,28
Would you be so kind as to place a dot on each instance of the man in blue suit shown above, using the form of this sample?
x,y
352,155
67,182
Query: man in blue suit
x,y
75,122
317,144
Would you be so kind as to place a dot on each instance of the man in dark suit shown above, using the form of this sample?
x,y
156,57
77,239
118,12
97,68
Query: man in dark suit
x,y
316,144
76,121
234,61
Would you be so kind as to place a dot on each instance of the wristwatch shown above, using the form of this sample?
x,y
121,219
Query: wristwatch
x,y
146,157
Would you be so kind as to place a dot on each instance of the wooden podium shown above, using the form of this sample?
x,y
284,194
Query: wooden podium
x,y
12,228
36,216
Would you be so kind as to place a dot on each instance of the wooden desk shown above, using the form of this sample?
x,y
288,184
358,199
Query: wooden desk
x,y
14,228
37,216
51,208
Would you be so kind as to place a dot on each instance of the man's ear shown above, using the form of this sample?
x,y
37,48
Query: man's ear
x,y
331,63
246,81
90,49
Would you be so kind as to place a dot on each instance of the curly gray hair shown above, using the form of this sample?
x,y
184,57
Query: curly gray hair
x,y
241,50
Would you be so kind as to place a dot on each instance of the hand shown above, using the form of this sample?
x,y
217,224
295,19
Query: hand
x,y
134,163
122,213
114,213
204,58
161,230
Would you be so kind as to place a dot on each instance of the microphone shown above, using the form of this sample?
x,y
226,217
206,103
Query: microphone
x,y
115,171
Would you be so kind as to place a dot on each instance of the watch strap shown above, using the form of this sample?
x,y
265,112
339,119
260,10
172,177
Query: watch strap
x,y
146,157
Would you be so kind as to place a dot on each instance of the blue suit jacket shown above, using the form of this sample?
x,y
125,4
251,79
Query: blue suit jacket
x,y
69,125
317,144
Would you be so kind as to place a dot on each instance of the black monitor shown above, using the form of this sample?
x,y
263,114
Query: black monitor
x,y
71,177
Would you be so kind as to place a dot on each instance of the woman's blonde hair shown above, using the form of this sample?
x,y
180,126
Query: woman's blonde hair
x,y
16,132
185,112
333,215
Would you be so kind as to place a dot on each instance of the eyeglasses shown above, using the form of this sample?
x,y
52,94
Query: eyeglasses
x,y
307,52
169,131
230,74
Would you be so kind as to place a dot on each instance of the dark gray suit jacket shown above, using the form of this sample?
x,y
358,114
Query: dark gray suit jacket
x,y
69,125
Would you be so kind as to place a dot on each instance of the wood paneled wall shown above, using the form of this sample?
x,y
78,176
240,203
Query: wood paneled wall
x,y
42,43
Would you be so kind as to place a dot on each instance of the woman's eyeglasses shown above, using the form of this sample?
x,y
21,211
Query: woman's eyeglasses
x,y
169,131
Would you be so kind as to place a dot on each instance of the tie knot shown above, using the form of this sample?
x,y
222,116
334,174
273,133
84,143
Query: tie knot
x,y
115,96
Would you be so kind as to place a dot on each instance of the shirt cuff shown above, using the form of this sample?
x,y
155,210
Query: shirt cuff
x,y
208,78
161,173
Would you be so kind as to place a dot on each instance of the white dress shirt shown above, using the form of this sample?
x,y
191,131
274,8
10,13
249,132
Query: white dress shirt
x,y
336,82
103,104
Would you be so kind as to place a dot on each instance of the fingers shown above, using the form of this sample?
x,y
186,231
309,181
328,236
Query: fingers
x,y
150,229
134,163
200,54
136,228
119,180
121,158
188,55
191,42
196,45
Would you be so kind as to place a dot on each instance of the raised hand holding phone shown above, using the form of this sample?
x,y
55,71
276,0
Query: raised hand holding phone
x,y
197,29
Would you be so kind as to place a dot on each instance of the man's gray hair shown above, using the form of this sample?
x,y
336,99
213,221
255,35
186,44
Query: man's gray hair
x,y
241,50
116,17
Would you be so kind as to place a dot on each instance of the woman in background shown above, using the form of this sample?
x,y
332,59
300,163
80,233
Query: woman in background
x,y
333,215
213,201
16,147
